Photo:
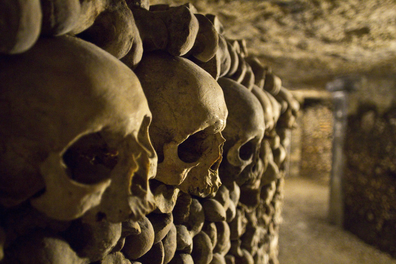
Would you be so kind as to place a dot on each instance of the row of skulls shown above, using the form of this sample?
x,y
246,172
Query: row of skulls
x,y
114,109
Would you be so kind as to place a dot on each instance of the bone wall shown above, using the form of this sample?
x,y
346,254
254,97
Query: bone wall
x,y
316,145
370,199
133,133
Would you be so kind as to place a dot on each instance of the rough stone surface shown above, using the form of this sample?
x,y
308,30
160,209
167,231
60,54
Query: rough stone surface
x,y
307,42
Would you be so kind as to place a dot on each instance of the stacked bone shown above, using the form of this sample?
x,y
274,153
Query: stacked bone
x,y
113,126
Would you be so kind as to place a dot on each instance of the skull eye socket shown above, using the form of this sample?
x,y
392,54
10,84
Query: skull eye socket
x,y
192,149
247,150
90,160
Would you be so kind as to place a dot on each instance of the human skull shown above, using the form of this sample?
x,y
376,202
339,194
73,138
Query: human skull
x,y
244,133
74,132
189,114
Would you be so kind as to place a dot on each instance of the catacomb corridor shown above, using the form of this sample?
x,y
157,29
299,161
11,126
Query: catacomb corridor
x,y
206,132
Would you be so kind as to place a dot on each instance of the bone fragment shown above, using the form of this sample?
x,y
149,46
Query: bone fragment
x,y
184,239
279,155
165,196
251,239
230,259
138,245
289,98
214,211
115,258
139,3
276,107
223,244
155,255
268,192
182,28
235,193
271,173
181,211
162,223
218,259
42,247
196,218
216,23
220,63
259,70
250,197
89,11
59,16
238,225
240,73
119,245
207,41
115,31
246,258
130,227
267,107
272,83
231,211
191,7
248,80
20,24
152,29
170,244
234,59
210,229
202,250
182,258
223,196
94,240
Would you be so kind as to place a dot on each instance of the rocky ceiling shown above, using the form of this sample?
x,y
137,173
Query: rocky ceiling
x,y
309,42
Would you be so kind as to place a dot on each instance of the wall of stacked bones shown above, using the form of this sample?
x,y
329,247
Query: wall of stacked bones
x,y
132,133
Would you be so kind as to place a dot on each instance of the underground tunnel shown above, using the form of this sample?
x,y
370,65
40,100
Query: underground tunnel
x,y
210,132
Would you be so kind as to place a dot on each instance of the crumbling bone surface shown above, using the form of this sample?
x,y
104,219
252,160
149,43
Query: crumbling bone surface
x,y
77,126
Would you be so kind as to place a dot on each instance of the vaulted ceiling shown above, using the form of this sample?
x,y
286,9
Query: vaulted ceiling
x,y
309,42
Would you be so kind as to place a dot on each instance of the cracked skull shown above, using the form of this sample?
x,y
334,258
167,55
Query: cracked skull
x,y
189,114
74,139
244,133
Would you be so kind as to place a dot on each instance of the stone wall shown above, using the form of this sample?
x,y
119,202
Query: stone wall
x,y
132,133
